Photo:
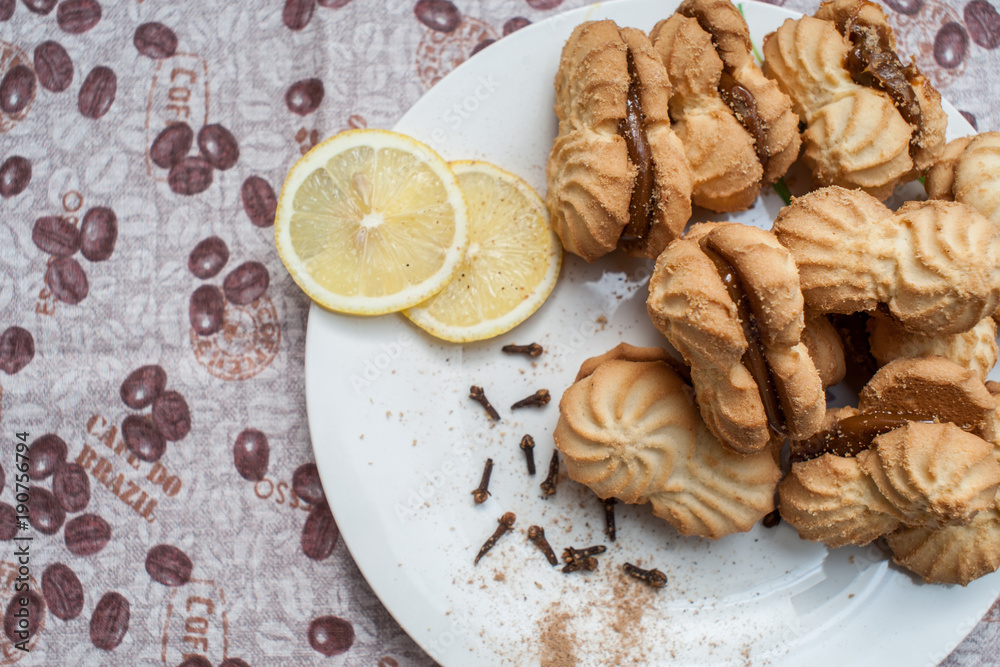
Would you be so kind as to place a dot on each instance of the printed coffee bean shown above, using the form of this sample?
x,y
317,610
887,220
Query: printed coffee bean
x,y
7,9
53,66
190,176
251,454
333,4
171,145
237,662
55,236
950,45
172,416
98,233
87,534
143,438
303,97
208,257
155,40
320,533
3,478
515,24
246,283
40,6
97,93
45,454
71,487
46,515
17,349
908,7
543,5
206,310
971,118
440,15
142,386
259,201
196,661
481,45
307,485
983,22
168,565
17,89
218,146
15,174
66,279
331,635
36,615
63,591
8,522
109,622
77,16
297,13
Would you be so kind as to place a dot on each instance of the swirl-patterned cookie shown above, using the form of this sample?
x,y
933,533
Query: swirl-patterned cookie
x,y
975,349
617,176
933,266
630,430
871,122
969,172
731,305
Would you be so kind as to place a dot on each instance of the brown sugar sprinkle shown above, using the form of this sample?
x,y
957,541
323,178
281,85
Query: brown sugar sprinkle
x,y
653,577
609,517
479,396
528,445
537,535
772,519
549,485
506,523
481,493
536,400
532,350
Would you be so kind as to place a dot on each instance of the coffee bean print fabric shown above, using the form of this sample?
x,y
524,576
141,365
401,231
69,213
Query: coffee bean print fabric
x,y
152,344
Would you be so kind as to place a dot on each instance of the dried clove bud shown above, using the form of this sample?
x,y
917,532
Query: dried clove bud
x,y
536,400
537,535
477,394
528,445
586,564
609,517
532,350
653,577
482,491
549,485
506,523
570,554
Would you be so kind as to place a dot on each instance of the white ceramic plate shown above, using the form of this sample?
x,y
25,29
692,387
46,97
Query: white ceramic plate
x,y
400,446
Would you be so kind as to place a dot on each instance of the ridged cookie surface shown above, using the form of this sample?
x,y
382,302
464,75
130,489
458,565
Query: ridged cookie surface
x,y
975,349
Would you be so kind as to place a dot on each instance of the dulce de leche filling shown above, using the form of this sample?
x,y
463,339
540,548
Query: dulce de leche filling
x,y
772,391
633,129
852,435
738,98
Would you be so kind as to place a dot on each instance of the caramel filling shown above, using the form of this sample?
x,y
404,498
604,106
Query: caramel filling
x,y
852,435
744,105
772,393
633,129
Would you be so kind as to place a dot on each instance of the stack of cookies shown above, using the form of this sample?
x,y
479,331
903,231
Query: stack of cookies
x,y
758,316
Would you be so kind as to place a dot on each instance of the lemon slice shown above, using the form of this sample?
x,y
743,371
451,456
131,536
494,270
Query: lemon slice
x,y
510,266
371,222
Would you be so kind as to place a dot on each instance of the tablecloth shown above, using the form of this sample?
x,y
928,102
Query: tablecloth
x,y
152,344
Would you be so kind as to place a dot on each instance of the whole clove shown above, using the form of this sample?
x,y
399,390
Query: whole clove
x,y
609,517
653,577
570,554
536,400
506,523
532,350
528,445
586,564
481,493
479,396
537,535
549,485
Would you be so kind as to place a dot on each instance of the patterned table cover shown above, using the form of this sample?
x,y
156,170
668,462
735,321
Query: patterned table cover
x,y
216,540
